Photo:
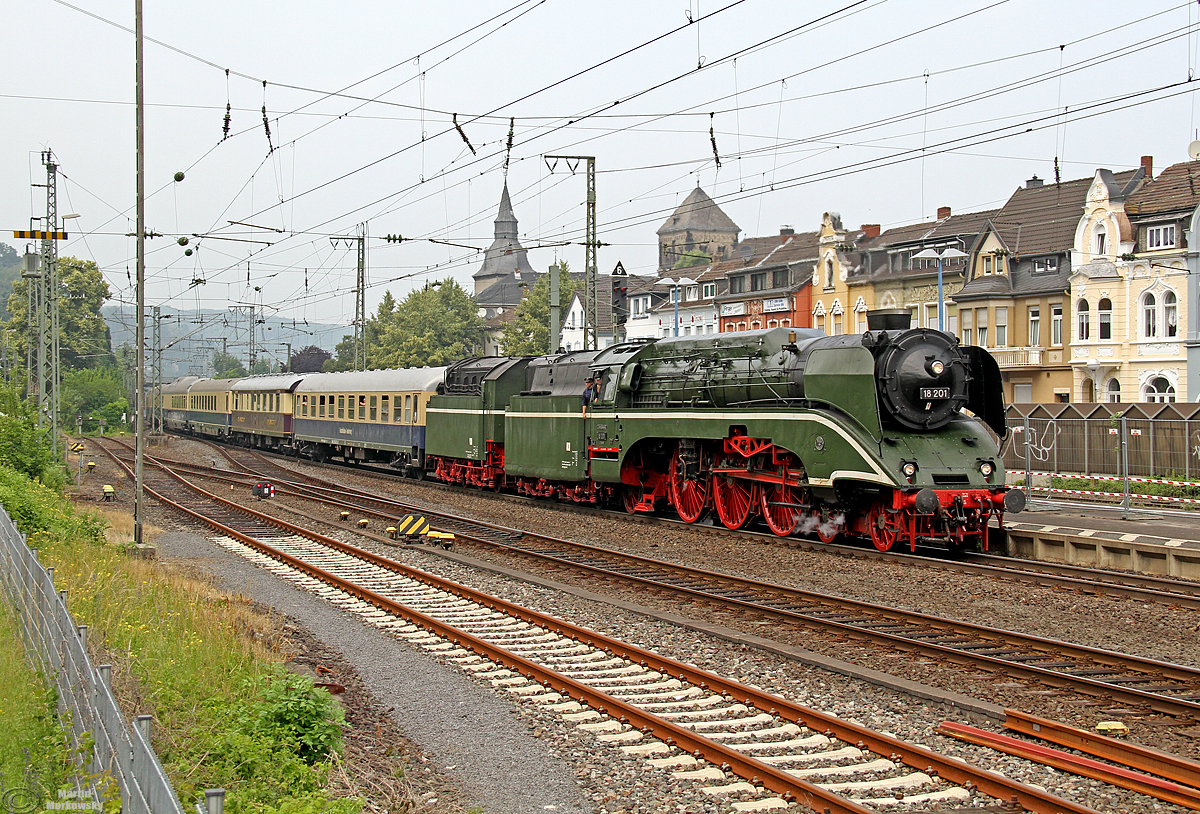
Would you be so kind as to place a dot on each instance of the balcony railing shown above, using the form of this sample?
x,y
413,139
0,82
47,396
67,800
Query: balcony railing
x,y
1017,357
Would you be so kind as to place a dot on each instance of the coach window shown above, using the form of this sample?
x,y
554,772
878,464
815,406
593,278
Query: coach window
x,y
341,406
408,409
374,408
362,408
384,401
416,409
320,406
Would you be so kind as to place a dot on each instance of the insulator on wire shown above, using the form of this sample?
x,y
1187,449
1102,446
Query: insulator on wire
x,y
458,127
713,137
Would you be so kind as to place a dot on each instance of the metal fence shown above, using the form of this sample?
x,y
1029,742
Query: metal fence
x,y
1138,446
1154,447
85,697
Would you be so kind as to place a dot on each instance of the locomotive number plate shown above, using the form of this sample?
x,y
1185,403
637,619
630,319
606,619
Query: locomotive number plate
x,y
928,393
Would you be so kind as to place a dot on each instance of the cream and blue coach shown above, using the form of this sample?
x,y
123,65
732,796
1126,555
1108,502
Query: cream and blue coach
x,y
262,410
174,397
210,403
371,416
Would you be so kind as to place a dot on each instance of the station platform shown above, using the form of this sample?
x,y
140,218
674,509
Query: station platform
x,y
1160,543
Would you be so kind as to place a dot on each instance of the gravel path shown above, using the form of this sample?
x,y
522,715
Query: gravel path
x,y
471,730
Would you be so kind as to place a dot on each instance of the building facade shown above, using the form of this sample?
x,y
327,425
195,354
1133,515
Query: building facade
x,y
1128,333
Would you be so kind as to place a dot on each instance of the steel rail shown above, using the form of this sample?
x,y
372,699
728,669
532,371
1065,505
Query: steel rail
x,y
918,757
1144,759
1089,686
1058,575
1113,775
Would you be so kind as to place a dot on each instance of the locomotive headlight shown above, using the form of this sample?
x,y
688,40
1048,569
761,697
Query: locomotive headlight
x,y
909,470
986,469
938,367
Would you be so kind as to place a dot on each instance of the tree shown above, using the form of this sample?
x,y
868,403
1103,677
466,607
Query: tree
x,y
309,360
227,366
21,444
93,394
84,340
694,257
11,266
432,326
262,365
529,333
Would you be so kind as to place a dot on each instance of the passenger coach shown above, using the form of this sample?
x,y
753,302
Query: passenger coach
x,y
210,401
366,416
262,410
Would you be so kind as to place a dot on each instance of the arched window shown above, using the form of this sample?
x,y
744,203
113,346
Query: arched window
x,y
1104,311
1149,316
1084,318
1159,391
1113,391
1100,242
1170,314
1088,391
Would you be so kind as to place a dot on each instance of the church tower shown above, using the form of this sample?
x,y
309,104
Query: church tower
x,y
697,223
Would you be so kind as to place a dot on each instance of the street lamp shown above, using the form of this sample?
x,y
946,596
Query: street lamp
x,y
946,254
675,284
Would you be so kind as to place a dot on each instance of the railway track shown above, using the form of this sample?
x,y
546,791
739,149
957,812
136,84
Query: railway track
x,y
1094,581
731,738
1125,680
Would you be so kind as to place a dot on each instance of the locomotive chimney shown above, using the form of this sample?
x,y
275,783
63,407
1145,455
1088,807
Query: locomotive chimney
x,y
889,319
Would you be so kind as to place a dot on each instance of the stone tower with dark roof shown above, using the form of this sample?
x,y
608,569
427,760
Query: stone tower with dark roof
x,y
697,223
501,280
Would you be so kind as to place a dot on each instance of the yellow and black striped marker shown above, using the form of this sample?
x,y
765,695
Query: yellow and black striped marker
x,y
413,525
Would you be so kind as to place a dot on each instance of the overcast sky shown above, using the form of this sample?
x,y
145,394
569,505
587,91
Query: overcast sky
x,y
881,110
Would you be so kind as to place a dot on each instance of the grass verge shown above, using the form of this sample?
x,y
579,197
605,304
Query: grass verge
x,y
226,713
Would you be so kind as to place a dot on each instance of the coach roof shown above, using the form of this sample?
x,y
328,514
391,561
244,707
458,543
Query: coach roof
x,y
378,381
180,385
277,383
213,385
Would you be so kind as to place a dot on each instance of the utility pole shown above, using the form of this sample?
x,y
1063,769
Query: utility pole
x,y
555,308
140,352
48,373
156,365
590,244
360,293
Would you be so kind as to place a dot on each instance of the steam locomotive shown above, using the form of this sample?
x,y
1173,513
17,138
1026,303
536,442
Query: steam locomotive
x,y
893,435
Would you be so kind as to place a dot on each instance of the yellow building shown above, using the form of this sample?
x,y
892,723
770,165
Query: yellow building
x,y
841,282
1129,290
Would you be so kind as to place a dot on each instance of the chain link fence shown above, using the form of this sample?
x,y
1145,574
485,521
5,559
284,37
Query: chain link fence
x,y
85,700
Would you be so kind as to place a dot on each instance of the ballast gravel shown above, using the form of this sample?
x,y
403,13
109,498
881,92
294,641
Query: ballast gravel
x,y
469,726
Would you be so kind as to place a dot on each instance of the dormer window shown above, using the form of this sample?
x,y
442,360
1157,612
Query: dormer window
x,y
1045,264
693,291
1100,241
737,285
1160,237
987,264
710,290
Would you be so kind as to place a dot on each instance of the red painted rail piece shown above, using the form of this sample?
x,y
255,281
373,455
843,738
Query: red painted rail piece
x,y
1086,767
1144,759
